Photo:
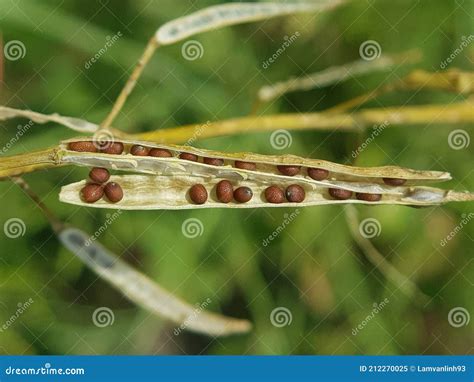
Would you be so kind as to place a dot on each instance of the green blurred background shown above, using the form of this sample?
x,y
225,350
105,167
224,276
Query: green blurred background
x,y
314,269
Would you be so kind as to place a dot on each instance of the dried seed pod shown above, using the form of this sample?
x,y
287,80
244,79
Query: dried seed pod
x,y
115,148
113,192
243,194
99,175
340,194
274,195
189,156
224,191
198,194
213,161
82,146
295,193
245,165
368,197
160,153
139,150
394,181
318,173
289,170
92,192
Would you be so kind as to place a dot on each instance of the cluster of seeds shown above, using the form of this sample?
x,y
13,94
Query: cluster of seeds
x,y
224,191
117,148
95,190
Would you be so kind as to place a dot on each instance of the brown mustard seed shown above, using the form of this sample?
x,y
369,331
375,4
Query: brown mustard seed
x,y
99,175
243,194
318,173
245,165
189,156
139,150
113,192
115,148
214,161
82,146
274,195
295,193
160,153
198,194
289,170
368,197
224,191
92,192
340,194
394,181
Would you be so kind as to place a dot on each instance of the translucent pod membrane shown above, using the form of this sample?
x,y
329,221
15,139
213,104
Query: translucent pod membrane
x,y
143,291
358,179
172,192
230,14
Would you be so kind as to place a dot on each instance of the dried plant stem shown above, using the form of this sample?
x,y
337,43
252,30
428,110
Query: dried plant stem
x,y
405,115
28,162
453,81
131,82
407,286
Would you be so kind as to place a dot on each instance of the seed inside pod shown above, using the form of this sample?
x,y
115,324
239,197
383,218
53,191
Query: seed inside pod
x,y
274,195
92,192
82,146
198,194
115,148
368,197
295,193
289,170
160,153
245,165
113,192
243,194
189,156
99,175
340,194
224,191
318,173
394,181
214,161
139,150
